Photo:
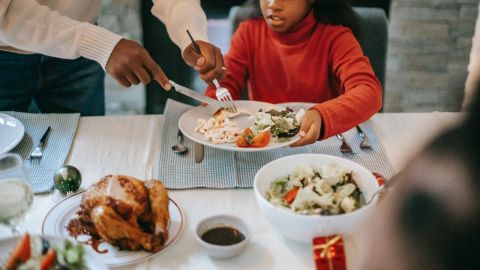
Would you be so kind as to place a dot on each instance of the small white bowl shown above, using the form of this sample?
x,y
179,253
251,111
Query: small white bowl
x,y
304,228
218,251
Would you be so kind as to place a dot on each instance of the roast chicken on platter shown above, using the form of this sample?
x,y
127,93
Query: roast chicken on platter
x,y
127,212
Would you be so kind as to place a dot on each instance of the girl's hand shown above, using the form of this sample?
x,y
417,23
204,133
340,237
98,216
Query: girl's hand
x,y
309,129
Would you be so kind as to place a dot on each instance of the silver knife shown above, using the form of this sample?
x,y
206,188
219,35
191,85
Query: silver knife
x,y
195,95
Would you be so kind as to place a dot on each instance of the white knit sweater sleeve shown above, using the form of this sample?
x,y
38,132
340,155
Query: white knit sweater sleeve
x,y
30,26
180,15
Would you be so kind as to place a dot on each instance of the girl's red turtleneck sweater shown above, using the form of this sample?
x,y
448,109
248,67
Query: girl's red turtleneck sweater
x,y
316,62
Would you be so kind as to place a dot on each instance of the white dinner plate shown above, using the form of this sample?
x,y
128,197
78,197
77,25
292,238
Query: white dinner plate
x,y
11,132
188,122
58,217
7,245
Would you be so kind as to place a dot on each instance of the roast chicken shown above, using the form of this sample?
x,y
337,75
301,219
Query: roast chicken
x,y
127,212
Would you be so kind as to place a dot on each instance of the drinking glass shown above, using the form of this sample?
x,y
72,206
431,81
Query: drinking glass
x,y
16,195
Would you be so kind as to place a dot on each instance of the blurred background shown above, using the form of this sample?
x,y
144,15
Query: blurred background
x,y
428,49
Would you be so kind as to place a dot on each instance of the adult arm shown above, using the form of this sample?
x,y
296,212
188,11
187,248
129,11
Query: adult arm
x,y
30,26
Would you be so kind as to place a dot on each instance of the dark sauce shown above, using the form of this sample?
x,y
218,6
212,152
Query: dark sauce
x,y
77,228
223,236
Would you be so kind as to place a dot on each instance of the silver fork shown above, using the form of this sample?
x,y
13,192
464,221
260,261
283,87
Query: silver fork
x,y
344,147
223,95
364,144
37,154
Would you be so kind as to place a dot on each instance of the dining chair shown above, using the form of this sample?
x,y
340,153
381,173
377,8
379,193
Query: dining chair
x,y
374,39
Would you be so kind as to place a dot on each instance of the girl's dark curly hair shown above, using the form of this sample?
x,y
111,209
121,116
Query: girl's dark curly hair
x,y
337,12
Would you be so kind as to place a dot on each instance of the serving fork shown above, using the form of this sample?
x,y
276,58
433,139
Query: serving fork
x,y
222,93
344,147
37,154
364,144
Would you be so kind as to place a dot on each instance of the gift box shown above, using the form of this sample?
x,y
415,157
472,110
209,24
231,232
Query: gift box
x,y
329,253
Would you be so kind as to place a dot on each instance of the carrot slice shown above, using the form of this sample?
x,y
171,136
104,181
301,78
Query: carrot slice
x,y
20,254
289,197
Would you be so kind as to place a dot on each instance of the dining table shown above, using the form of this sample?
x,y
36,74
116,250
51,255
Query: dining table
x,y
131,144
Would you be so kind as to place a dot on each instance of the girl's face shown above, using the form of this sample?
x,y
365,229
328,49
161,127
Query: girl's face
x,y
283,15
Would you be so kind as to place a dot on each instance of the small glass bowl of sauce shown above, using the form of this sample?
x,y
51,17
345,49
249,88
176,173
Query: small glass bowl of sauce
x,y
222,236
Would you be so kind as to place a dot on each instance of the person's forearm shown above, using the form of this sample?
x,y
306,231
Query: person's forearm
x,y
30,26
180,15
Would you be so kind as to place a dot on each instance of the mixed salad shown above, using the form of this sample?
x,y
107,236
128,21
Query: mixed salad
x,y
35,252
328,191
279,126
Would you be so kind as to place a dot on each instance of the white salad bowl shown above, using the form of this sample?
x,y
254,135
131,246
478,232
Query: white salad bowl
x,y
304,228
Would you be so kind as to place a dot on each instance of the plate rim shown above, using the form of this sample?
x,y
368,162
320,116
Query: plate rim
x,y
228,147
18,140
151,255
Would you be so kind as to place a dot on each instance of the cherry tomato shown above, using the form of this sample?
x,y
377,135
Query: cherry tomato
x,y
244,139
261,140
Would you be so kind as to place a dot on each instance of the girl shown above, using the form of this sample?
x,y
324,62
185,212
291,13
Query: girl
x,y
305,51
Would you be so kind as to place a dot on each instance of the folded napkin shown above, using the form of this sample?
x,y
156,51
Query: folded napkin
x,y
228,169
55,150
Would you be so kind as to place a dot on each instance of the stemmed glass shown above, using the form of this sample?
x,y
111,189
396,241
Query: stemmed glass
x,y
16,195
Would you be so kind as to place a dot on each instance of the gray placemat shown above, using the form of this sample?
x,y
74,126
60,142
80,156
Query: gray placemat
x,y
181,171
227,169
55,151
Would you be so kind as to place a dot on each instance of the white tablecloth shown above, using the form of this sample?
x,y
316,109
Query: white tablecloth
x,y
130,145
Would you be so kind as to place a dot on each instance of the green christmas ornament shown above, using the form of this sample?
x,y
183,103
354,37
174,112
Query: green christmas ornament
x,y
67,179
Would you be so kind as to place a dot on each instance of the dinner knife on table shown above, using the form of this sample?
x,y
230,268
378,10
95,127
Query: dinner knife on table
x,y
198,152
195,95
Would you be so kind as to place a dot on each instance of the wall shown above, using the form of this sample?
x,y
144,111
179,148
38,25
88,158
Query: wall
x,y
429,47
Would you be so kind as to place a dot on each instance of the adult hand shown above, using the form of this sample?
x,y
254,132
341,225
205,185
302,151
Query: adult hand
x,y
209,64
309,128
130,63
